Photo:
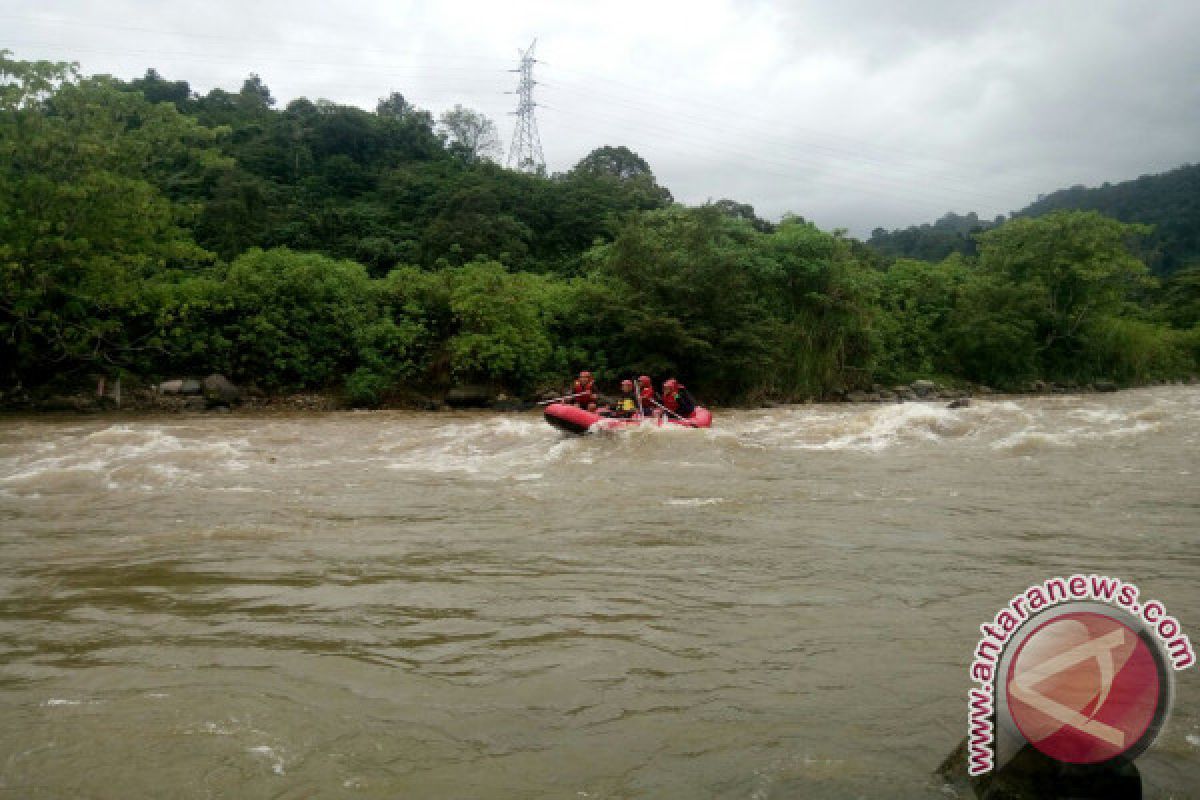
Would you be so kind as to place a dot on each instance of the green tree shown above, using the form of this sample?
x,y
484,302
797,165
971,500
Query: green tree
x,y
86,221
297,320
622,169
1074,268
470,135
501,333
918,301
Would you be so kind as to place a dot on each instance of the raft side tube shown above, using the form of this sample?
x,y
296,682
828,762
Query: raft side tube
x,y
571,419
574,419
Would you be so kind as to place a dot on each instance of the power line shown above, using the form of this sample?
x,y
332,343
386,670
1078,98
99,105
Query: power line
x,y
723,108
794,168
257,42
862,165
928,172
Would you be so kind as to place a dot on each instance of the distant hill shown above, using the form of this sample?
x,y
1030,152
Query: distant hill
x,y
1169,201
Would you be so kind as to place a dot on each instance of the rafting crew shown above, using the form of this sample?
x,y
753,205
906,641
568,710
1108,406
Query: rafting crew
x,y
635,398
584,410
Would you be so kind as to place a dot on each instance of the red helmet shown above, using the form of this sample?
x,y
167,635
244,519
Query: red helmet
x,y
585,374
644,380
627,384
670,383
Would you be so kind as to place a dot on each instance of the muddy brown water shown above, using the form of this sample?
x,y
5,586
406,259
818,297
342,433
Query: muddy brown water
x,y
475,605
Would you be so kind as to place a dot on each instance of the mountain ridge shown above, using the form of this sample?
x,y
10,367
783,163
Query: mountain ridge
x,y
1169,201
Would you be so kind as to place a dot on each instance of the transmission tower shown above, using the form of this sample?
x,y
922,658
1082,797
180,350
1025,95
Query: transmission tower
x,y
526,151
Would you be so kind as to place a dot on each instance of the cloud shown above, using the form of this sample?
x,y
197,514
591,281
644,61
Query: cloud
x,y
853,114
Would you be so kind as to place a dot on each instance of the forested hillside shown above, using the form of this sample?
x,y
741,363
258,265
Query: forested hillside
x,y
1169,202
150,232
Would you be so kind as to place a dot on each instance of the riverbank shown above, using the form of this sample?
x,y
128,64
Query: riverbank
x,y
216,394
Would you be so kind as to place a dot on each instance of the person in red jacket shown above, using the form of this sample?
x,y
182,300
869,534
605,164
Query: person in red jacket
x,y
584,390
677,398
647,399
669,398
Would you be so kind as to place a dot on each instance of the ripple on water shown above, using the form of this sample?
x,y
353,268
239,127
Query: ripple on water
x,y
426,604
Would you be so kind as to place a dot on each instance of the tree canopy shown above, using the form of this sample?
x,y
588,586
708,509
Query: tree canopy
x,y
147,229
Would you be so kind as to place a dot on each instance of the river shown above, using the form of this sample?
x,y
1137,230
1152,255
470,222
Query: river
x,y
392,604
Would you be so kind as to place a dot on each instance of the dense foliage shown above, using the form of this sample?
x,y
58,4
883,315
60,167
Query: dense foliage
x,y
151,231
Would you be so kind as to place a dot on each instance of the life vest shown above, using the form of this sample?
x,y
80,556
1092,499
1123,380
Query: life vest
x,y
671,400
684,404
585,393
626,404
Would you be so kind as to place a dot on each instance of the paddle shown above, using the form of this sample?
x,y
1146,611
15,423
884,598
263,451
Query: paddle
x,y
684,420
560,399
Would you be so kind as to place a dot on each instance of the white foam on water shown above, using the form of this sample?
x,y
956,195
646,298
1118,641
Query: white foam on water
x,y
870,430
693,501
1043,435
118,457
492,449
269,753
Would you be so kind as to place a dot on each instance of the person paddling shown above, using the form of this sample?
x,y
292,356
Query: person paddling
x,y
677,398
585,391
646,397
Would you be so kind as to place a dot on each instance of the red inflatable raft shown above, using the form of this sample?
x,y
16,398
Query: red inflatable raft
x,y
574,419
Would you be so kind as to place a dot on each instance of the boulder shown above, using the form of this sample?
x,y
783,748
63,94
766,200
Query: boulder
x,y
1105,386
503,403
470,396
962,402
171,387
1030,774
220,391
83,403
923,387
862,397
190,387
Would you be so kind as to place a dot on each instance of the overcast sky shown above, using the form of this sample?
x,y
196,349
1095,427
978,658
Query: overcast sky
x,y
852,114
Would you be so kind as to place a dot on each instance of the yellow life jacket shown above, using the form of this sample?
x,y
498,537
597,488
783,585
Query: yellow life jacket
x,y
626,404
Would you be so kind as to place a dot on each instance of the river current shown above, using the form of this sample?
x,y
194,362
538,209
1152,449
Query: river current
x,y
390,604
